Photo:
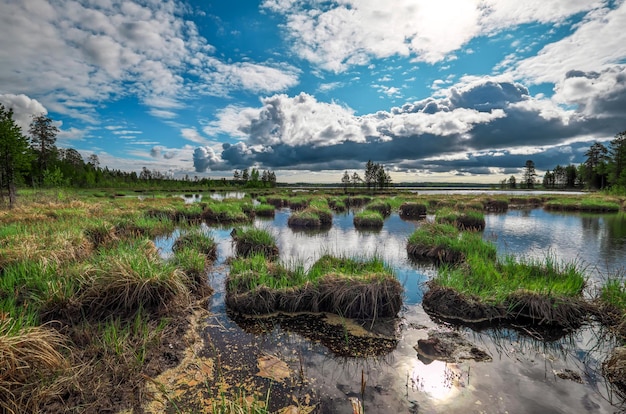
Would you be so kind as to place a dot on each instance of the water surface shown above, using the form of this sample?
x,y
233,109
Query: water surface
x,y
521,378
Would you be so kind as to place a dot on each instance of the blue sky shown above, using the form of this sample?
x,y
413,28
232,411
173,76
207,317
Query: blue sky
x,y
446,90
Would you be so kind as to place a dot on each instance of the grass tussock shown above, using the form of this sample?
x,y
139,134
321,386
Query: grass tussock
x,y
311,217
368,219
413,211
129,277
348,287
251,241
544,292
467,220
31,367
495,205
199,241
444,243
380,205
265,210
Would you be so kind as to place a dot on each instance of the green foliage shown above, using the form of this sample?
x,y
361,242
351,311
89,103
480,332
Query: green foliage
x,y
14,154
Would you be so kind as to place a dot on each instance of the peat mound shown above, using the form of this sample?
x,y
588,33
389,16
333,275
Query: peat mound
x,y
520,308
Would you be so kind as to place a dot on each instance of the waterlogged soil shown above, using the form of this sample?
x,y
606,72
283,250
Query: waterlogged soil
x,y
327,364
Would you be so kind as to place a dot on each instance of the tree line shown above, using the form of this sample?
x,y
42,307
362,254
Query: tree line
x,y
254,178
376,177
603,169
34,160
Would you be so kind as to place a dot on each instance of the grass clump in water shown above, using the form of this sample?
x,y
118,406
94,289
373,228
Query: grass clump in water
x,y
265,210
413,211
199,241
467,220
345,286
444,243
368,219
380,205
544,292
311,217
251,241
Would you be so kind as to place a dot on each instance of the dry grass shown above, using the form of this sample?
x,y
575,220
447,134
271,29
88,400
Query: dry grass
x,y
29,359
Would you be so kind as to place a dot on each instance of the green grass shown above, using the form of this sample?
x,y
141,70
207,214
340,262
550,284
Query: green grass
x,y
265,210
591,204
198,240
131,276
380,205
252,240
368,219
311,217
255,271
435,239
613,293
495,281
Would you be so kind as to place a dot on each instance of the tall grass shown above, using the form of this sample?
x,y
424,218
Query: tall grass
x,y
354,288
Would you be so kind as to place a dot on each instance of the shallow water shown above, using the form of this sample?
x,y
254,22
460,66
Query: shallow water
x,y
520,378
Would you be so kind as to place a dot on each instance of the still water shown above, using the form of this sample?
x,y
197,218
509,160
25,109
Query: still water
x,y
522,376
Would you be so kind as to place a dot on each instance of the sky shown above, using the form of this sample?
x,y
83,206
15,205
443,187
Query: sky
x,y
446,90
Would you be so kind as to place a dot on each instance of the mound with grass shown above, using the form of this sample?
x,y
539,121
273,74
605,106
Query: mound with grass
x,y
344,286
29,358
444,243
252,241
311,217
541,293
265,210
468,220
412,211
198,241
381,206
368,219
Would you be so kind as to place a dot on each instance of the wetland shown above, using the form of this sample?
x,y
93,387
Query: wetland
x,y
193,351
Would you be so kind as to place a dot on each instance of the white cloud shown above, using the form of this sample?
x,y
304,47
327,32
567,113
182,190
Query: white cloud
x,y
597,43
24,108
193,135
229,121
74,54
344,33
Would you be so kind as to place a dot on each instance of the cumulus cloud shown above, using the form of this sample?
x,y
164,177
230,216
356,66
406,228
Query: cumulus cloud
x,y
24,108
478,115
74,54
345,33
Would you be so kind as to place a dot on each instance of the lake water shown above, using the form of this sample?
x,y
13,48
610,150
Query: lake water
x,y
521,378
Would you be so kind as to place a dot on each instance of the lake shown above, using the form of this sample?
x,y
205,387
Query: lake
x,y
523,375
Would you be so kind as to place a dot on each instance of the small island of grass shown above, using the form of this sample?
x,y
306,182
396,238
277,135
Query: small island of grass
x,y
344,286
